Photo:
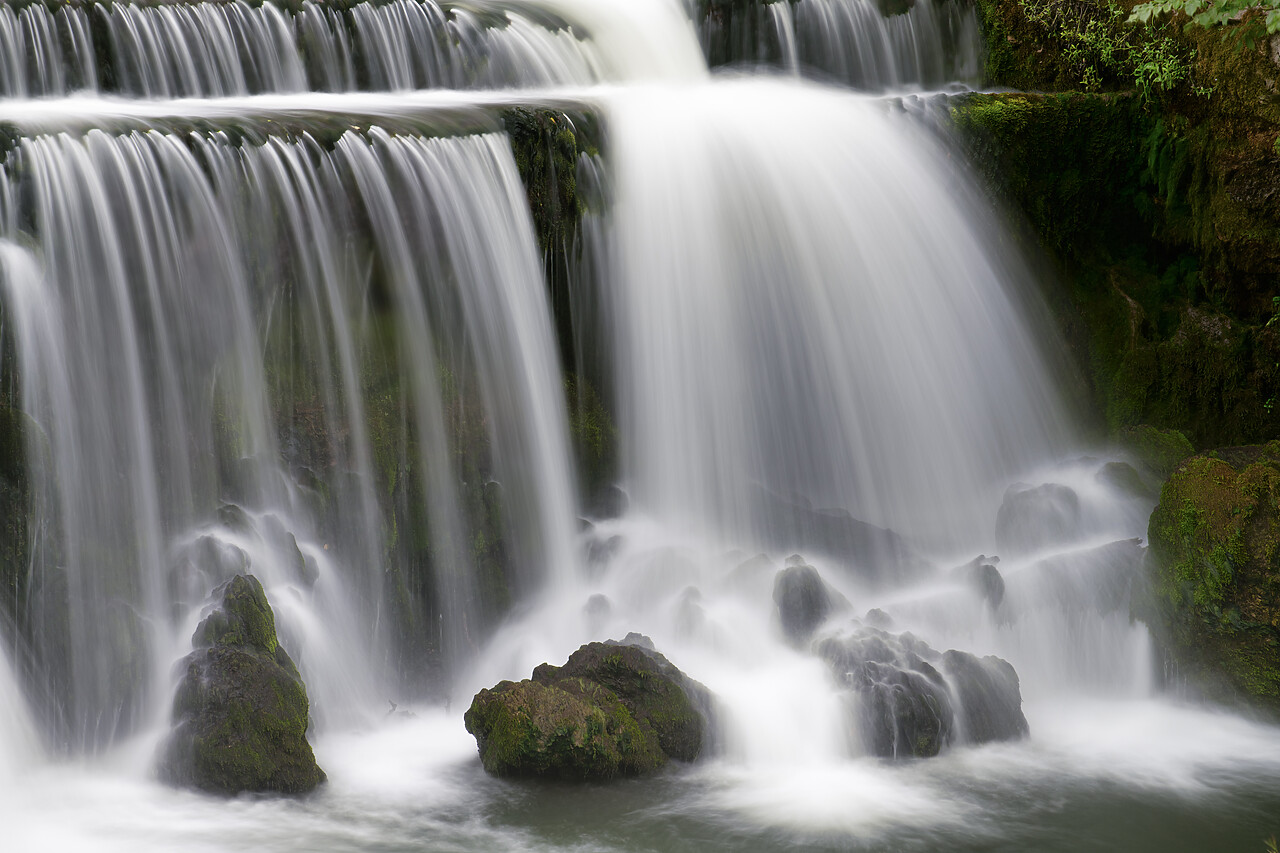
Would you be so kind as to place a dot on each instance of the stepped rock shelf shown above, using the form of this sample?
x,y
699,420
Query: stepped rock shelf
x,y
357,359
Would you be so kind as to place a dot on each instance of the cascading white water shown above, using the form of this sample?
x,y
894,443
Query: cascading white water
x,y
930,43
867,44
761,291
144,365
328,359
236,47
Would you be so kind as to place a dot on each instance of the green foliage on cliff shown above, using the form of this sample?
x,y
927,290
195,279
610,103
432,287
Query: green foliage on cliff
x,y
1256,18
1057,45
1215,569
1160,211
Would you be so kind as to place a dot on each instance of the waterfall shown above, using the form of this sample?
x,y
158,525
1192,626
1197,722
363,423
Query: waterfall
x,y
167,367
868,44
340,294
760,294
238,47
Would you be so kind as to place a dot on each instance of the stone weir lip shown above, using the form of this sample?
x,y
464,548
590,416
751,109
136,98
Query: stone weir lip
x,y
444,110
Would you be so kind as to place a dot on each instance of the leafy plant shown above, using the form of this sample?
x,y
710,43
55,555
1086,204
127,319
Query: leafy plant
x,y
1218,13
1101,44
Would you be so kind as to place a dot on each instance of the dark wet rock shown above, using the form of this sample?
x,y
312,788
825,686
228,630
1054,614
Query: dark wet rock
x,y
1035,517
235,519
803,600
873,553
284,546
601,550
241,710
613,709
910,701
988,695
202,564
981,575
609,501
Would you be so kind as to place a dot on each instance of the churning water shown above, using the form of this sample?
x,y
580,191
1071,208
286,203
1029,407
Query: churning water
x,y
309,336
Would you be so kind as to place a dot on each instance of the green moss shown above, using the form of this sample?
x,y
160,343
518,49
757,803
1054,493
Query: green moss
x,y
573,729
592,435
1157,451
243,619
241,712
1165,230
1215,565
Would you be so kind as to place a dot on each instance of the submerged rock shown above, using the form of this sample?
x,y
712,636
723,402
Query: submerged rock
x,y
1124,478
910,701
875,554
613,709
1214,566
1035,517
241,710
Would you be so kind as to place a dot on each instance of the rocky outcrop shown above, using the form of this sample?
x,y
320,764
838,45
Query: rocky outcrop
x,y
613,709
241,710
909,701
1214,566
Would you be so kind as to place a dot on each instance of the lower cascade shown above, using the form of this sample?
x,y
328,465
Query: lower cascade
x,y
556,444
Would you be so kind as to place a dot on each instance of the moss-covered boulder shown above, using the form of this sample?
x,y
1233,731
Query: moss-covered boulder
x,y
241,710
613,709
1214,564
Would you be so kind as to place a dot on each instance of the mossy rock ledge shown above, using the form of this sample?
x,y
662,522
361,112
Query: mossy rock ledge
x,y
1214,562
613,709
241,711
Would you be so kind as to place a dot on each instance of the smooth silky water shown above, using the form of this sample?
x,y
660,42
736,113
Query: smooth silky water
x,y
797,300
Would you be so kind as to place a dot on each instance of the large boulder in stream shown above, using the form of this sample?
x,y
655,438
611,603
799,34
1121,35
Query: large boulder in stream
x,y
613,709
1214,566
907,700
241,711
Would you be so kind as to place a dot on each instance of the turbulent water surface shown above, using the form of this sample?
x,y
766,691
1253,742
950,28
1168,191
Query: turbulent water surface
x,y
296,321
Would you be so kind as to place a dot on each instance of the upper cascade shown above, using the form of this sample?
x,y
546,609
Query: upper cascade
x,y
234,48
241,47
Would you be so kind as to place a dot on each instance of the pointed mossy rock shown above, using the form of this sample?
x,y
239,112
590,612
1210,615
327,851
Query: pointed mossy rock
x,y
1214,566
613,709
241,711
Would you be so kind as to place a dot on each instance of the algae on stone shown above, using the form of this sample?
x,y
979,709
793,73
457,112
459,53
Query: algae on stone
x,y
613,709
1214,564
241,710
